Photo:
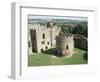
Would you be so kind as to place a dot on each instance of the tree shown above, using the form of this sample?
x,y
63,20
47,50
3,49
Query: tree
x,y
66,29
81,30
77,29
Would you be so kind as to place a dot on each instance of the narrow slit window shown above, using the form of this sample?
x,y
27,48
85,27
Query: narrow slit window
x,y
67,47
43,36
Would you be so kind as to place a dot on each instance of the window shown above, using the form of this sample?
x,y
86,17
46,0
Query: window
x,y
46,47
43,42
67,47
48,43
43,36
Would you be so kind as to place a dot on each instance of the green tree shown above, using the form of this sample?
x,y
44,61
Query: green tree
x,y
77,29
66,29
81,30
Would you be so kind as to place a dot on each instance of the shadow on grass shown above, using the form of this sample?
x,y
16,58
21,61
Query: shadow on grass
x,y
52,51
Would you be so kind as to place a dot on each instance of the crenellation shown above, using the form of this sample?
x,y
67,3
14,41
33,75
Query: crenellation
x,y
44,37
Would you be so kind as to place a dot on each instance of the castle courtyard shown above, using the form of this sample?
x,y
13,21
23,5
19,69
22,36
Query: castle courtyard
x,y
49,58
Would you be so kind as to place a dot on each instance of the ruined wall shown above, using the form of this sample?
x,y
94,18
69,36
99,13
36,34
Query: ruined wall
x,y
81,42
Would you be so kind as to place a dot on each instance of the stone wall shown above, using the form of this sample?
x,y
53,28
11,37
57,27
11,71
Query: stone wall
x,y
81,42
65,44
42,38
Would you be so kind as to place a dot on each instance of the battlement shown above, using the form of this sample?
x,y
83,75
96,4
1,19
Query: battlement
x,y
65,36
39,27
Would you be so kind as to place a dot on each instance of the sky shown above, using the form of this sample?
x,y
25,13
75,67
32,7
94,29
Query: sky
x,y
57,17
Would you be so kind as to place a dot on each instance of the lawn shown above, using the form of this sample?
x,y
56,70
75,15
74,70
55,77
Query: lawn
x,y
50,57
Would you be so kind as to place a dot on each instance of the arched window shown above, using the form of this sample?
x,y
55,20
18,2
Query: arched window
x,y
67,47
43,36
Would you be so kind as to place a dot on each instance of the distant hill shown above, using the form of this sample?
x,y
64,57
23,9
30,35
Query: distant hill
x,y
57,21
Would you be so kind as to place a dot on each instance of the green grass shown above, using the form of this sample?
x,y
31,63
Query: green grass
x,y
45,58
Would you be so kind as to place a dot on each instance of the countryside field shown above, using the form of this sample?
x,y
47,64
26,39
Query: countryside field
x,y
50,57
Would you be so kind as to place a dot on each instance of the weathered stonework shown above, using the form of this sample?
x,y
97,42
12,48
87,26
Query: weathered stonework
x,y
81,42
42,37
65,44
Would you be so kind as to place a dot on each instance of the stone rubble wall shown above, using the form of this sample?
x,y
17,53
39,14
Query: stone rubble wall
x,y
81,42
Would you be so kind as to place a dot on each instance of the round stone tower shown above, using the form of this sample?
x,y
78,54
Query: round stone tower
x,y
65,44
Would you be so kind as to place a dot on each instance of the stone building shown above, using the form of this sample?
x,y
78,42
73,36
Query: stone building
x,y
41,37
65,44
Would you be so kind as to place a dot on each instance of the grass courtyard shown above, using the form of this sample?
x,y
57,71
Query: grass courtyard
x,y
49,57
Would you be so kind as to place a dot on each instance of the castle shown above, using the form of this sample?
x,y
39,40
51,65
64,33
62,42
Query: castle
x,y
65,44
41,37
44,37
